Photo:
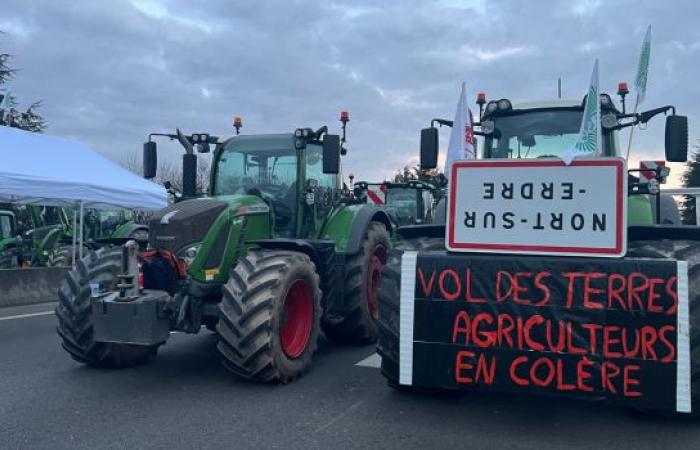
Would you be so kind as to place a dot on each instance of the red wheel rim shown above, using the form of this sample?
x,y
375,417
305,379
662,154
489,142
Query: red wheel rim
x,y
297,319
374,279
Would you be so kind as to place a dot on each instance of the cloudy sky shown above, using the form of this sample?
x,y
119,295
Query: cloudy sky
x,y
110,72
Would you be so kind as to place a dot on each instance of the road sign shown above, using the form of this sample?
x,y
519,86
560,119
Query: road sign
x,y
377,193
538,207
648,170
558,326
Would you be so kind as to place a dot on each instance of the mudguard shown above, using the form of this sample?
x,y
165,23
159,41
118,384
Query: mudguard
x,y
348,224
128,229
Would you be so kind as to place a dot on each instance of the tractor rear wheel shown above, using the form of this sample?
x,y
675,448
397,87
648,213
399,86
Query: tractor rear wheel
x,y
681,250
269,316
63,256
389,303
74,314
363,276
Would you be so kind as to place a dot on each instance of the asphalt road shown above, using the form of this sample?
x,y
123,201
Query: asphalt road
x,y
185,399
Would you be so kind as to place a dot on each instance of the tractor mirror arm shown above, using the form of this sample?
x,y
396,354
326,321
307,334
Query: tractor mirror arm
x,y
647,115
441,122
642,117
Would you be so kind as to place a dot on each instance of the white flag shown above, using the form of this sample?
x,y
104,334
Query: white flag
x,y
640,81
462,136
589,138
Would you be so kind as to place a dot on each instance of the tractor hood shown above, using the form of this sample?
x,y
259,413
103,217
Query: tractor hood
x,y
183,223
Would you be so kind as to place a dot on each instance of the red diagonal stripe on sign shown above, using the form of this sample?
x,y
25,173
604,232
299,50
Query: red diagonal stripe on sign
x,y
374,197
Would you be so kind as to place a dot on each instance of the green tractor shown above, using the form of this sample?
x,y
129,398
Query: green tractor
x,y
410,202
532,135
272,255
8,240
102,227
43,227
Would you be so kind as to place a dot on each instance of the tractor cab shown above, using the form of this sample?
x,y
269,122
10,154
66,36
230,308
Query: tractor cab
x,y
538,129
280,169
549,129
411,202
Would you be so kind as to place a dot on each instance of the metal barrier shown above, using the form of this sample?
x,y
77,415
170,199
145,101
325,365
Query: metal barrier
x,y
31,285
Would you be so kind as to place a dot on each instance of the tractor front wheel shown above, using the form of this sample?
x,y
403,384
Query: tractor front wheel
x,y
363,276
269,316
74,311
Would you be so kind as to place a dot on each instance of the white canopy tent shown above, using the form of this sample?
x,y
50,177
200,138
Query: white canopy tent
x,y
45,170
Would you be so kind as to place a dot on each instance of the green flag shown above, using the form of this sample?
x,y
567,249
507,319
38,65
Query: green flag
x,y
640,82
589,139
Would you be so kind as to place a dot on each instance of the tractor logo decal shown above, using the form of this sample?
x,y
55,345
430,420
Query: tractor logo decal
x,y
165,220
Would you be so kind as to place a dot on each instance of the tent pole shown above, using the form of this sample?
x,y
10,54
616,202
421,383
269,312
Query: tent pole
x,y
80,249
75,231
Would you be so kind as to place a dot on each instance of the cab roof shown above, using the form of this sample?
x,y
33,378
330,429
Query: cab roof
x,y
556,103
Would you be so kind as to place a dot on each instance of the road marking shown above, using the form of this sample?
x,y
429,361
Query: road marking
x,y
373,361
340,416
22,316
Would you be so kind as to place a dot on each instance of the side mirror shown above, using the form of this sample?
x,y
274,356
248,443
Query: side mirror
x,y
676,138
189,175
428,148
331,153
150,160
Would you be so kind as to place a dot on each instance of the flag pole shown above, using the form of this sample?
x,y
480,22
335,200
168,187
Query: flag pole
x,y
634,115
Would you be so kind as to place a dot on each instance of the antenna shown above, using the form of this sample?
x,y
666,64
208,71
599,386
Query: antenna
x,y
559,86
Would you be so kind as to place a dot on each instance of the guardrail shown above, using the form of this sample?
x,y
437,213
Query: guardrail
x,y
30,285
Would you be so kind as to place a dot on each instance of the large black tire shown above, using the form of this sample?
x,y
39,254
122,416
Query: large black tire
x,y
257,338
63,256
682,250
389,293
358,325
74,314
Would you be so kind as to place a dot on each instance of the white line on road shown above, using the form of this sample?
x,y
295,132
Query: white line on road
x,y
373,361
22,316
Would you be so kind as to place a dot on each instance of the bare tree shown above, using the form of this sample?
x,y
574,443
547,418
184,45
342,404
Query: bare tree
x,y
169,171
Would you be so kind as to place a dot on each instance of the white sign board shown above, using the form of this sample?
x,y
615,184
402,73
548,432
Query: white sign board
x,y
538,206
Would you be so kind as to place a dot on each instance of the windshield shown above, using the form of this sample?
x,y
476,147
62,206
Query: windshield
x,y
404,202
269,171
535,134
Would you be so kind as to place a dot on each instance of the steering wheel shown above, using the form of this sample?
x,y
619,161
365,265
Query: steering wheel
x,y
283,213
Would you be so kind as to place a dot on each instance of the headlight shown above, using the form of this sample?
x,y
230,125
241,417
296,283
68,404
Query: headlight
x,y
605,100
504,105
491,107
488,127
609,120
190,253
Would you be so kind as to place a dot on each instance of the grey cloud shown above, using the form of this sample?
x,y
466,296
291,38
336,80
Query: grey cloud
x,y
111,72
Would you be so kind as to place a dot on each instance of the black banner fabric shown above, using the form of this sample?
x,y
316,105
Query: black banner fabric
x,y
576,326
